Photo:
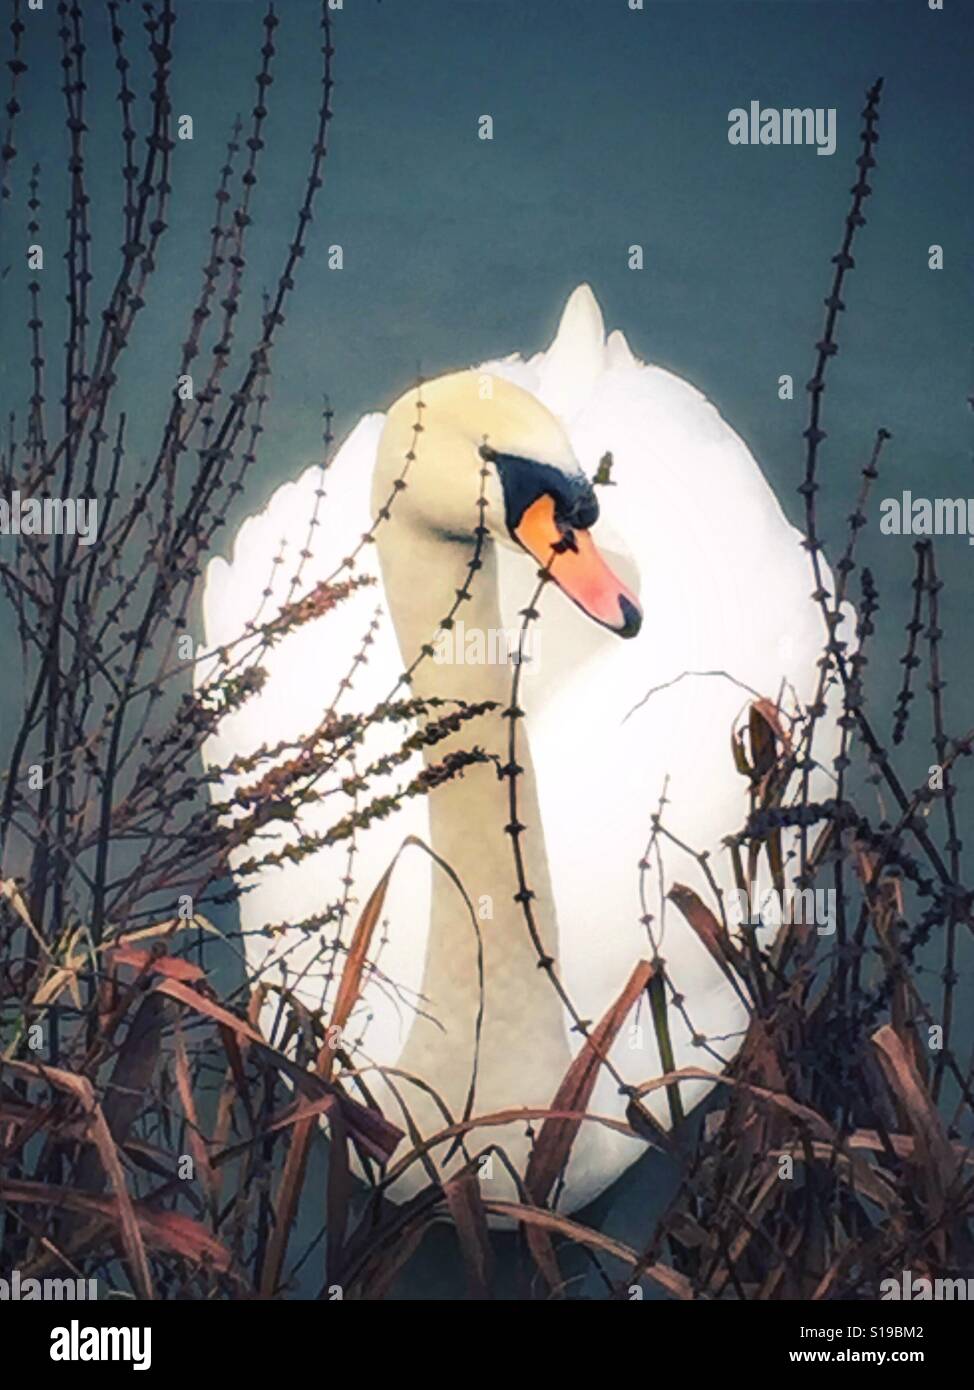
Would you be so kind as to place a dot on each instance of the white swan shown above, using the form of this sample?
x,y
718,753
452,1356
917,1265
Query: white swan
x,y
691,527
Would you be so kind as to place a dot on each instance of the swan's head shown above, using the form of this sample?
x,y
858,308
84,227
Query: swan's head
x,y
482,436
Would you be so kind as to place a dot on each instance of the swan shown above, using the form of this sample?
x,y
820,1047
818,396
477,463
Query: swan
x,y
682,588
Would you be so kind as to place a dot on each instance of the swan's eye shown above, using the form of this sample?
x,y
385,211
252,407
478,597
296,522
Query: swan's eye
x,y
580,511
525,480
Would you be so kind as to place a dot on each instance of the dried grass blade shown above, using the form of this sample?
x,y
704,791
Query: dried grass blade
x,y
292,1179
464,1198
553,1145
711,934
187,1099
934,1151
166,1230
551,1221
81,1088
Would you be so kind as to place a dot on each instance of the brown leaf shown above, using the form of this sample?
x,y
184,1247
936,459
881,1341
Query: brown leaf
x,y
764,710
463,1197
81,1088
382,1273
762,738
338,1195
292,1179
187,1099
551,1221
165,1230
860,1175
174,967
709,931
371,1129
553,1145
934,1152
802,1113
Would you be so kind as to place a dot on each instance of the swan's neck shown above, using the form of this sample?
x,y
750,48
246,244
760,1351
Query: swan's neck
x,y
524,1050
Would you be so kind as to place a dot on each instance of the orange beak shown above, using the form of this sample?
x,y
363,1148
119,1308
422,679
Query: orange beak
x,y
578,569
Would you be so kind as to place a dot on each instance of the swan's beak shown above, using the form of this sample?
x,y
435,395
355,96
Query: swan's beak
x,y
578,569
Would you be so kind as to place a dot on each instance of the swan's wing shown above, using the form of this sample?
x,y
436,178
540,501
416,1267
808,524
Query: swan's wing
x,y
725,586
304,675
